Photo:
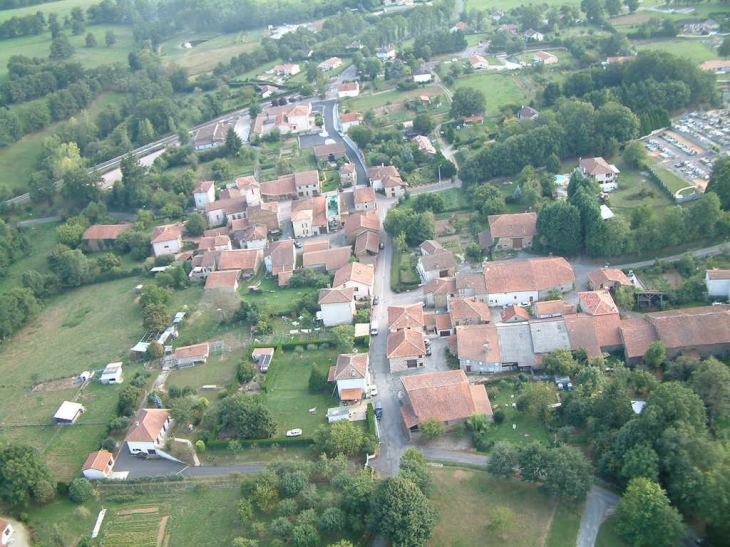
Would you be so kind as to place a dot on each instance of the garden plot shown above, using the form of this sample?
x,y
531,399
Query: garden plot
x,y
135,527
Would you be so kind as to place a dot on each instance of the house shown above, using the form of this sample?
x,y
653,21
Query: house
x,y
352,375
348,120
225,211
6,532
214,243
266,214
534,35
422,75
348,174
409,316
385,53
286,70
360,222
166,239
268,90
246,261
468,311
316,245
204,193
330,64
388,179
699,331
367,246
309,217
474,120
349,89
472,284
327,260
440,264
437,292
252,237
280,256
608,278
597,302
358,277
68,412
286,118
306,184
527,280
188,356
330,152
527,113
98,465
446,396
603,173
337,305
262,357
202,265
210,136
147,434
461,25
718,283
112,374
545,58
424,145
102,237
514,314
551,308
430,247
513,232
718,67
364,199
405,350
478,348
223,281
478,62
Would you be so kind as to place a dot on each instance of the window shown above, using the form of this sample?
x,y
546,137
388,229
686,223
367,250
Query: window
x,y
411,363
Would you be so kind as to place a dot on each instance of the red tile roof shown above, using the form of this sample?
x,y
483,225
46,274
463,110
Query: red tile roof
x,y
167,232
532,274
478,343
462,309
510,313
692,327
367,242
440,285
332,259
717,275
335,296
98,460
597,166
351,366
637,335
551,307
195,350
441,260
147,425
223,280
240,259
582,334
405,343
105,231
515,225
355,272
203,187
605,275
366,220
364,195
430,247
597,302
282,255
405,317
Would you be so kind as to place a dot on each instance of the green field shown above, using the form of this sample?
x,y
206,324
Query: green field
x,y
63,7
464,498
628,196
43,238
674,182
608,535
367,101
528,428
277,300
500,89
692,49
205,56
287,394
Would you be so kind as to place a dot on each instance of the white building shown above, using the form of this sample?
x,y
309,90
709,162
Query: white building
x,y
204,193
112,374
98,465
545,58
352,376
718,283
166,239
350,89
330,64
68,412
6,532
337,305
148,431
358,277
605,174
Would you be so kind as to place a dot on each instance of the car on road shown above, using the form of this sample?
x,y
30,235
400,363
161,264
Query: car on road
x,y
376,300
294,433
378,410
373,391
382,245
297,244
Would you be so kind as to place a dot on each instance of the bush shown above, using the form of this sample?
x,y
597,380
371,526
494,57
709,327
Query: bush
x,y
499,416
80,490
246,371
200,446
109,444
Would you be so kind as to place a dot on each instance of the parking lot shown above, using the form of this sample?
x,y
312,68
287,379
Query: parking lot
x,y
683,157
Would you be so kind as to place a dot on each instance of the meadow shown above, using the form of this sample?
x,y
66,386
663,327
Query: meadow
x,y
499,89
690,48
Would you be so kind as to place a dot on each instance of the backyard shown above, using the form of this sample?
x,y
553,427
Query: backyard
x,y
270,296
528,428
500,89
467,496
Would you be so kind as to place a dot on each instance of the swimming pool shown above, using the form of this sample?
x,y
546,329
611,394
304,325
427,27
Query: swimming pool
x,y
562,180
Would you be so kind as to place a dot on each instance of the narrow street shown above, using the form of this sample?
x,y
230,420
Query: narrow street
x,y
600,501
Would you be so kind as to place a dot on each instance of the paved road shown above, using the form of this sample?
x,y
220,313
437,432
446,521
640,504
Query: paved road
x,y
598,504
454,456
36,221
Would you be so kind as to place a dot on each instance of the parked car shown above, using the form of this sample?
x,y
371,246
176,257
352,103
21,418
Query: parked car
x,y
376,300
298,244
378,410
294,433
382,245
373,391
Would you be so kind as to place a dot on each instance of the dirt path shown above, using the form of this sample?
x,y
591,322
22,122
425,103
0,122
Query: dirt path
x,y
543,537
161,533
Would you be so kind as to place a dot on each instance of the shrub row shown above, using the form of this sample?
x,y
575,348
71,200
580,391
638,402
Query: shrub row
x,y
262,443
372,428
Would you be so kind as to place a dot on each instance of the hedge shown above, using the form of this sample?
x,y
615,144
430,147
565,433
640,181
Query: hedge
x,y
372,428
262,443
291,345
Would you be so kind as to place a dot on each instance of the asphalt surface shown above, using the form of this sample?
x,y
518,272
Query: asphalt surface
x,y
438,454
598,506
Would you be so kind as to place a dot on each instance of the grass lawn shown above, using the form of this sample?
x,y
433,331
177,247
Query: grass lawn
x,y
43,238
506,5
566,524
631,183
367,101
192,513
528,429
278,300
206,55
500,89
454,200
62,7
692,49
463,498
287,393
674,182
608,535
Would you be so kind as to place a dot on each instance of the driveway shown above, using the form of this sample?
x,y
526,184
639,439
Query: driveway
x,y
598,506
438,454
137,467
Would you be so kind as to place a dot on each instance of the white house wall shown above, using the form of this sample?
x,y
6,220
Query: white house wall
x,y
504,299
357,383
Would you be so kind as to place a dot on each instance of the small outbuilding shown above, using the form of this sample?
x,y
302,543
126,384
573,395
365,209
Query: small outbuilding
x,y
6,532
68,412
112,374
98,465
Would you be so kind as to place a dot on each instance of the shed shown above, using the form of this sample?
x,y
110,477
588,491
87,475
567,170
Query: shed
x,y
98,465
337,414
68,412
6,532
263,357
112,374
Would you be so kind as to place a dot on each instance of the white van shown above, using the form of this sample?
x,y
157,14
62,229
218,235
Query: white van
x,y
373,328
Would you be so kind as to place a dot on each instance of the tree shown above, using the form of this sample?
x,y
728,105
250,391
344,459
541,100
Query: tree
x,y
655,355
110,38
332,520
560,363
413,467
639,461
72,268
22,472
343,337
428,202
246,418
633,5
559,228
401,513
432,428
594,9
634,154
373,67
724,49
501,518
467,101
317,380
503,460
196,224
80,490
246,371
711,381
61,48
720,181
361,135
644,516
342,437
423,124
568,473
233,142
536,399
128,399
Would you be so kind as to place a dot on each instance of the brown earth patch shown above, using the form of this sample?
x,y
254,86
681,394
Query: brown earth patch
x,y
461,475
138,511
56,385
161,533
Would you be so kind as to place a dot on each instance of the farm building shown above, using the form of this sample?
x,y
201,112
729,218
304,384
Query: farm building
x,y
98,465
188,356
112,374
68,412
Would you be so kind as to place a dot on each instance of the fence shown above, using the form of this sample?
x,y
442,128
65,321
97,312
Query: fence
x,y
677,198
